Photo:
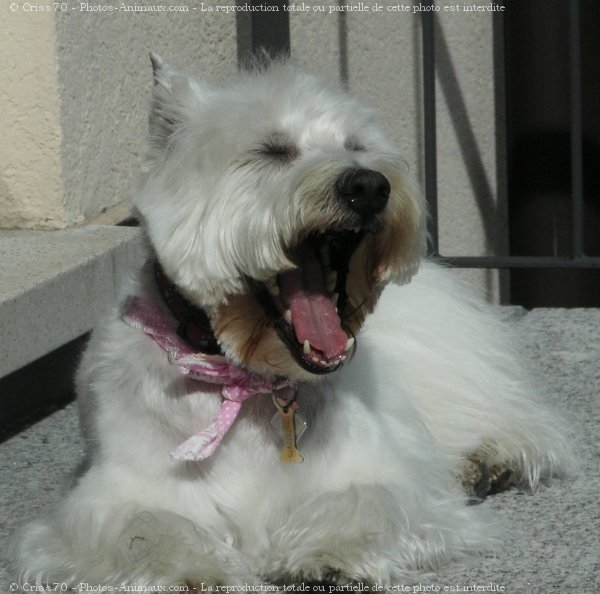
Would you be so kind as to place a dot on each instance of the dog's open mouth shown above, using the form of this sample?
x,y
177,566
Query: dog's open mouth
x,y
309,304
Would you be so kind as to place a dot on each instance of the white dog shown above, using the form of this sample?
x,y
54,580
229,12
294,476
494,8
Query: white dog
x,y
249,419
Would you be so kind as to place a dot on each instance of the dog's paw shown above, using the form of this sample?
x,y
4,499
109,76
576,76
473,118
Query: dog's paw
x,y
321,573
166,547
312,579
483,475
342,538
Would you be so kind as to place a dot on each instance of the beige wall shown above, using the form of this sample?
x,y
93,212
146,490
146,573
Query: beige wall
x,y
74,104
31,184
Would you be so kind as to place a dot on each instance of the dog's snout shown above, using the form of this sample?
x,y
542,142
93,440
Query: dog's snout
x,y
365,191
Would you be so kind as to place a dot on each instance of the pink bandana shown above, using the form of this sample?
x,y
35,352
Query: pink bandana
x,y
238,383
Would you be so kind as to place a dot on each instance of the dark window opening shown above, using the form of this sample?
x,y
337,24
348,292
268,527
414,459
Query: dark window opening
x,y
539,149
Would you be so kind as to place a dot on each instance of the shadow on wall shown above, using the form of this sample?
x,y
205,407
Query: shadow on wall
x,y
485,195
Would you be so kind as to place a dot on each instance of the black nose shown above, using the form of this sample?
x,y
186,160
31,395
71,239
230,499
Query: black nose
x,y
365,191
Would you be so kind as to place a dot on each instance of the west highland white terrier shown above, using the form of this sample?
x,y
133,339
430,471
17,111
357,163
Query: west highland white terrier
x,y
271,400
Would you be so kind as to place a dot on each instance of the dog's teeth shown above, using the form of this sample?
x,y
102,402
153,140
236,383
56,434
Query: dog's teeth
x,y
335,298
350,343
272,286
331,280
287,314
306,347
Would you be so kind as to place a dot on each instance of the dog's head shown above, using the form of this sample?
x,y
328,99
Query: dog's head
x,y
278,206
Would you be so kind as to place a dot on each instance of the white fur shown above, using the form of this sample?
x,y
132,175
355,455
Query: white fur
x,y
378,497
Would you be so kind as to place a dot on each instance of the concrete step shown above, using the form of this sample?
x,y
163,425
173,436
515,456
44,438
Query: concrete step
x,y
54,284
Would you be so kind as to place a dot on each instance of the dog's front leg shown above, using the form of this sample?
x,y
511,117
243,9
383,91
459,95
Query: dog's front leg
x,y
373,534
99,539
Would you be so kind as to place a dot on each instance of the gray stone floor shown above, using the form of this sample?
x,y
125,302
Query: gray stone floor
x,y
552,539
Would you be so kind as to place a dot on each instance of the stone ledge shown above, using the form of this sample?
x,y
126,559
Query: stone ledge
x,y
54,285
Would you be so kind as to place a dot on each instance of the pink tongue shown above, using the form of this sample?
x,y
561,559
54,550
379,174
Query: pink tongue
x,y
313,313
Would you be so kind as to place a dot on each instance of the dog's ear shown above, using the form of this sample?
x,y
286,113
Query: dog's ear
x,y
162,72
175,98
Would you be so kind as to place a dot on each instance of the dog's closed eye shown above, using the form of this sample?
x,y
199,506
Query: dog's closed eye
x,y
353,144
279,148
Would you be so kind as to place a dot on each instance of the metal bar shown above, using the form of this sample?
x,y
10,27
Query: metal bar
x,y
429,125
518,262
576,127
270,28
578,259
343,45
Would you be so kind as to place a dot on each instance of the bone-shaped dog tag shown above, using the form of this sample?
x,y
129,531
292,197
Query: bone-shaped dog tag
x,y
289,426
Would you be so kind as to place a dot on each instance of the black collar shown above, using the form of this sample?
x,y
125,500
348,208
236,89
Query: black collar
x,y
194,326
